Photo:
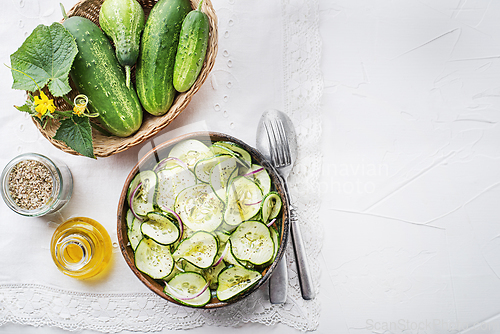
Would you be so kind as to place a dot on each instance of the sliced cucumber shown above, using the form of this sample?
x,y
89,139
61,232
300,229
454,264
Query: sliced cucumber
x,y
276,240
168,163
230,259
134,234
241,153
141,192
170,183
199,208
161,228
203,168
221,174
200,249
153,259
252,242
261,178
190,151
129,219
243,201
271,206
243,158
212,273
235,280
188,288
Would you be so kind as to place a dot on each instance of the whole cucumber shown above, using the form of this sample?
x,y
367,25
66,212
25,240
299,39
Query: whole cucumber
x,y
192,49
123,21
97,74
155,66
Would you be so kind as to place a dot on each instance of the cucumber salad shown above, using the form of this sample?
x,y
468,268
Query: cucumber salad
x,y
204,221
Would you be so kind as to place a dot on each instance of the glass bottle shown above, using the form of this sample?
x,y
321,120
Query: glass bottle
x,y
81,247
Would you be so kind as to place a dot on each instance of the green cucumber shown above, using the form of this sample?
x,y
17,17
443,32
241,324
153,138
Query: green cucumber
x,y
199,249
243,201
155,66
153,259
188,288
97,74
271,206
192,49
252,241
199,208
233,281
123,21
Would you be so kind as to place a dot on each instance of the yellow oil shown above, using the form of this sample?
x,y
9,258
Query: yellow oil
x,y
81,247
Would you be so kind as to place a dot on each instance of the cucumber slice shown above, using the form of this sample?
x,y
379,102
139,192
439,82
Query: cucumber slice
x,y
212,273
161,228
222,236
276,240
199,208
235,280
242,156
261,178
190,151
134,234
141,192
200,249
271,206
185,287
203,168
153,259
252,242
129,219
168,163
243,201
221,174
170,183
229,258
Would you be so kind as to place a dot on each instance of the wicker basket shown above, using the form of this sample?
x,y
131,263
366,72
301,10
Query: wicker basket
x,y
105,146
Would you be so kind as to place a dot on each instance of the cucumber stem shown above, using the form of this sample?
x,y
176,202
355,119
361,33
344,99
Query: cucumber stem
x,y
199,5
127,76
64,14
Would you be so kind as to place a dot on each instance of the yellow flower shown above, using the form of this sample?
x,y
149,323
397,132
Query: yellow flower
x,y
80,102
43,104
78,109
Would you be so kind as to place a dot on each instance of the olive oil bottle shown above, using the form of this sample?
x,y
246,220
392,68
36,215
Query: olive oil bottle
x,y
81,247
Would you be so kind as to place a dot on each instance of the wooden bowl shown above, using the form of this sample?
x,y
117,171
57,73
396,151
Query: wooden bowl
x,y
105,146
160,152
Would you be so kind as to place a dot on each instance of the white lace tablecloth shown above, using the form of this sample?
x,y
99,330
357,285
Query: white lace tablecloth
x,y
268,58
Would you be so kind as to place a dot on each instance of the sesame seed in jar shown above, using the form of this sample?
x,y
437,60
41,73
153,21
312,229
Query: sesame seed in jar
x,y
30,184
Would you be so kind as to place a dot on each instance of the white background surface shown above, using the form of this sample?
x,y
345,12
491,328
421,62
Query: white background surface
x,y
411,168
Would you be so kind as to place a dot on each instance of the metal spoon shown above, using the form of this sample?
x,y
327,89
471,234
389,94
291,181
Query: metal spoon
x,y
275,124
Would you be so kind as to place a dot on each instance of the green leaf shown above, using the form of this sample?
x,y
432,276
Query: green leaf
x,y
27,107
76,132
46,56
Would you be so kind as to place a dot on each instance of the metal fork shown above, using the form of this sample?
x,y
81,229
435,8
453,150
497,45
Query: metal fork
x,y
283,151
278,143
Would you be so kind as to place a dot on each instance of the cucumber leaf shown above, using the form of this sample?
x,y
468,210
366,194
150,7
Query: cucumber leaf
x,y
76,132
45,57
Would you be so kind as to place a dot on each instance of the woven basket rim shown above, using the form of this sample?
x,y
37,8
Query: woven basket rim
x,y
105,146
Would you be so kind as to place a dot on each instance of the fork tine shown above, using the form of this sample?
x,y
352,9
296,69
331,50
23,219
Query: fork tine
x,y
273,146
287,159
279,144
280,161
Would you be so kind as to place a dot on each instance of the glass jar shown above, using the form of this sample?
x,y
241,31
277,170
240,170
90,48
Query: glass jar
x,y
81,247
34,185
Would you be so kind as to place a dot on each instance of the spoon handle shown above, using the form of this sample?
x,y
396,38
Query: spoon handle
x,y
305,277
278,284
